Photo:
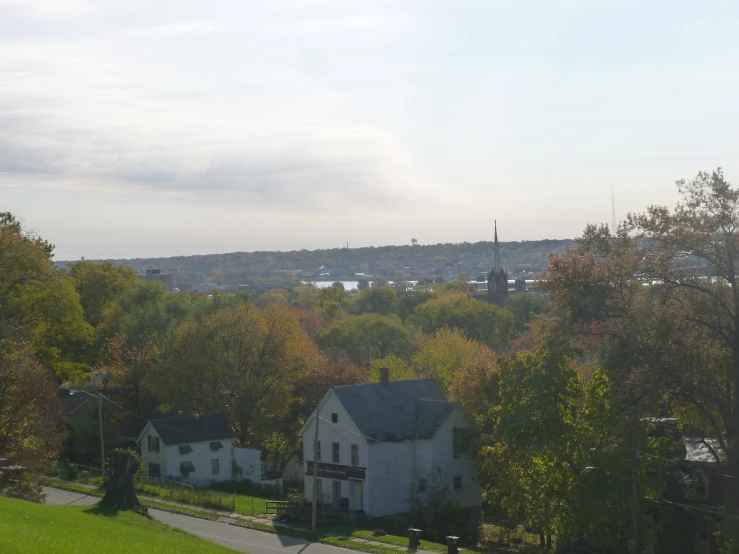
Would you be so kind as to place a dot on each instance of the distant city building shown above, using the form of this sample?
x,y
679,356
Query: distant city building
x,y
156,275
497,278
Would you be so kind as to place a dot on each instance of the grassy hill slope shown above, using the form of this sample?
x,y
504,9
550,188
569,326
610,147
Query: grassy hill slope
x,y
31,528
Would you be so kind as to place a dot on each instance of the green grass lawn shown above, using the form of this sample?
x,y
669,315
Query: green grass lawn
x,y
396,540
244,505
30,528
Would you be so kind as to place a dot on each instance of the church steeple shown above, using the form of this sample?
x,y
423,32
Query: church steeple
x,y
497,278
496,250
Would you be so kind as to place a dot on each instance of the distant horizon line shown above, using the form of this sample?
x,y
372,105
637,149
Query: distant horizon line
x,y
502,243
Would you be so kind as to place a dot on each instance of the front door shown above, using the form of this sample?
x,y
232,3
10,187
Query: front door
x,y
357,500
336,496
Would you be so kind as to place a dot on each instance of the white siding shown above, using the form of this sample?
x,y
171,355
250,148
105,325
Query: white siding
x,y
343,432
393,469
169,459
442,457
153,457
250,462
390,478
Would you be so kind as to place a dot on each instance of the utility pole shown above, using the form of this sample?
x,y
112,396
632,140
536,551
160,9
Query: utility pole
x,y
315,472
102,439
634,492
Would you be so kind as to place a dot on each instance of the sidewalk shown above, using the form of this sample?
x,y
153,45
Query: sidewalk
x,y
232,518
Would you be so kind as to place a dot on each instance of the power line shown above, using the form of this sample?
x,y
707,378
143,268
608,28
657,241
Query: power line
x,y
688,506
676,462
158,421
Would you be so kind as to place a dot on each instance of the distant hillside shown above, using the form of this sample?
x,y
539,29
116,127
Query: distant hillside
x,y
383,261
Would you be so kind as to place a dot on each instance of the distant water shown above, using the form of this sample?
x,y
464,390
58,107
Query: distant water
x,y
348,285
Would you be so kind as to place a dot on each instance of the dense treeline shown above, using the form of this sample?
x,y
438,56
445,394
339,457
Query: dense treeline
x,y
565,389
387,261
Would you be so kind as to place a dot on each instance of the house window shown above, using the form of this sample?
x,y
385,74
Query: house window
x,y
186,468
318,450
215,466
334,418
458,483
185,449
335,453
355,454
153,470
217,445
153,443
422,485
96,414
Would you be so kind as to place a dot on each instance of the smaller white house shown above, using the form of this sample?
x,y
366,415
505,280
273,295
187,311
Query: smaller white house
x,y
196,449
385,448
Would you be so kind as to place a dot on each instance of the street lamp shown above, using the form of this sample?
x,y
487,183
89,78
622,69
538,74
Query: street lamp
x,y
99,396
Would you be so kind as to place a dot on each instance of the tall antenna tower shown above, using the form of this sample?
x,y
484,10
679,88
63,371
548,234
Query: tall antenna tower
x,y
613,209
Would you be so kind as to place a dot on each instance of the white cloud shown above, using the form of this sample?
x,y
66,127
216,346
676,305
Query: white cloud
x,y
180,29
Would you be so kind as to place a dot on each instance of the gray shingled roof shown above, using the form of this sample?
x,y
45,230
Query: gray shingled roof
x,y
396,411
189,428
135,428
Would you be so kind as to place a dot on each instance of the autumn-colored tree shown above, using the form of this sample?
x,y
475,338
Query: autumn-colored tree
x,y
99,284
479,321
366,337
525,307
38,303
31,419
283,444
476,385
399,369
439,356
130,368
247,357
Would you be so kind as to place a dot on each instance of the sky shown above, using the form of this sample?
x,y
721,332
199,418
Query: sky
x,y
135,128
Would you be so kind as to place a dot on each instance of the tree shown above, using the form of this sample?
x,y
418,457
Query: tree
x,y
550,424
662,298
130,367
525,307
476,385
440,356
377,299
99,284
247,357
363,283
31,419
479,321
332,299
366,337
284,443
399,369
39,303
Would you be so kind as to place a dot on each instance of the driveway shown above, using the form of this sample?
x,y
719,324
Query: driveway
x,y
230,536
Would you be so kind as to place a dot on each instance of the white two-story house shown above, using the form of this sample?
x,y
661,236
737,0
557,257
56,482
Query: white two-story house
x,y
196,449
385,447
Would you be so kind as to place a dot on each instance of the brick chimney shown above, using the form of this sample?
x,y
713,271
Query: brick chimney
x,y
384,375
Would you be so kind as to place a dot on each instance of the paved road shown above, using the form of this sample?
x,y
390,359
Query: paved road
x,y
237,538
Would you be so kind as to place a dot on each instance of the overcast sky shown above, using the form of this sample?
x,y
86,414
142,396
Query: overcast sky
x,y
137,128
